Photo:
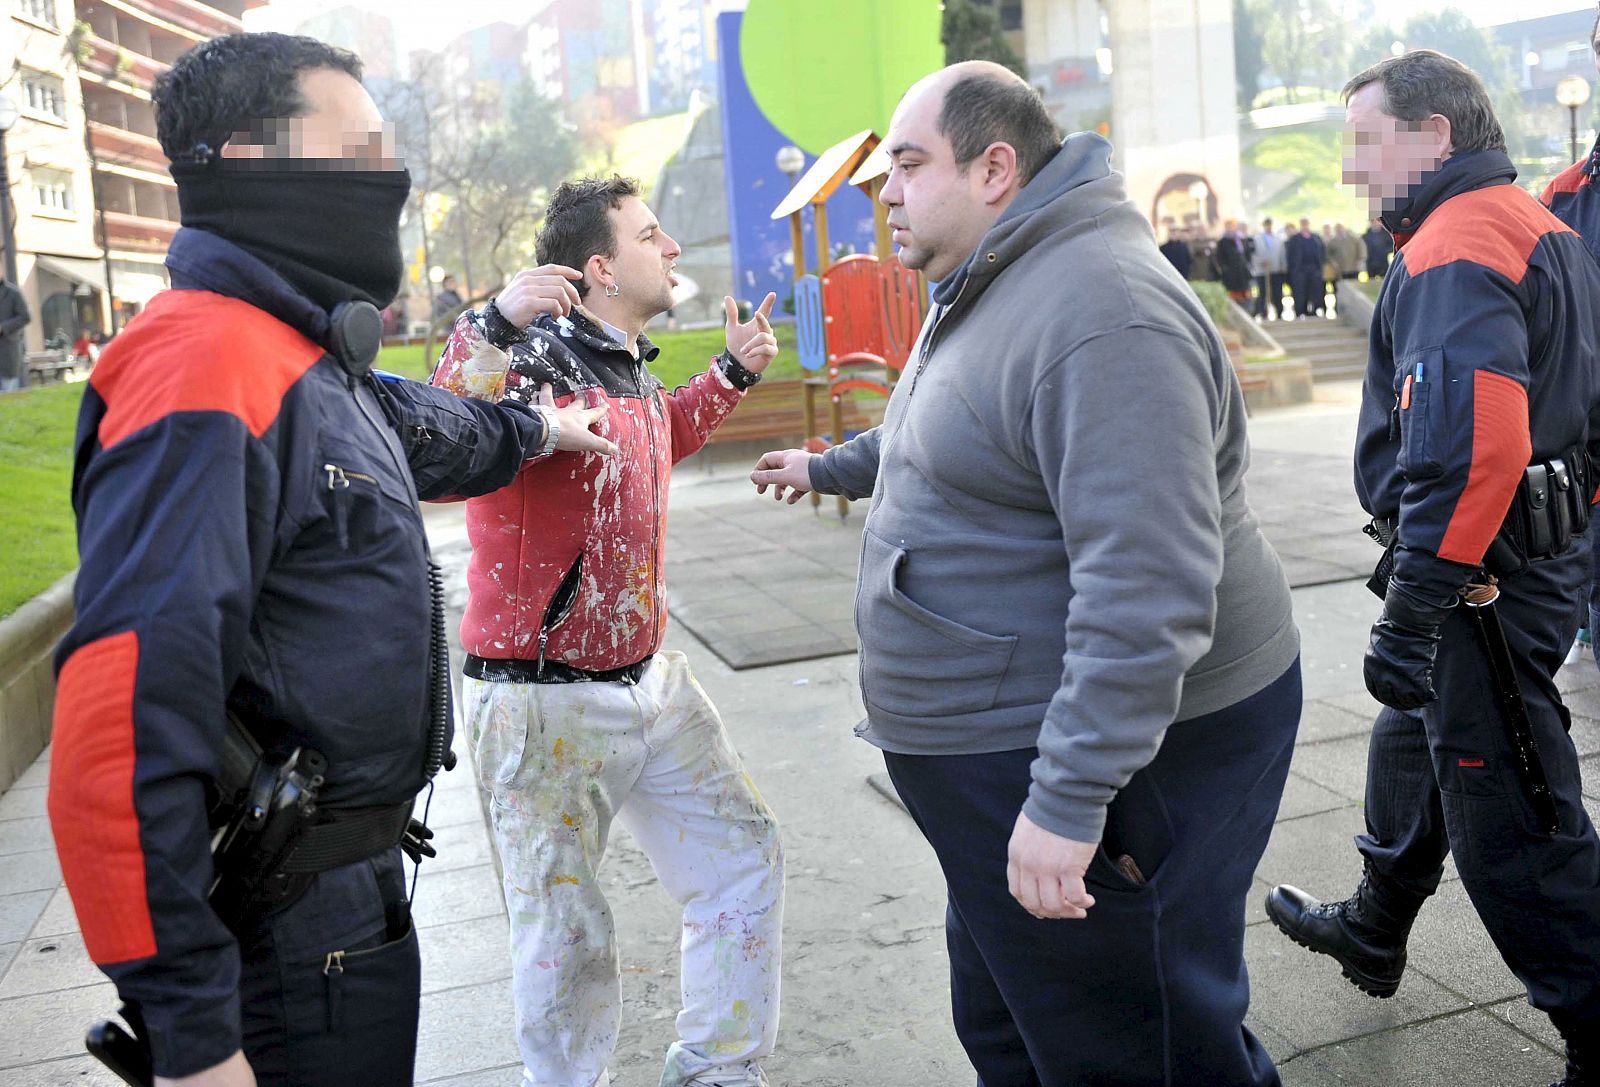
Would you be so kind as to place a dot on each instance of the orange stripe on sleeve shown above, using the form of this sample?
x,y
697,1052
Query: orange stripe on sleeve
x,y
91,799
1500,450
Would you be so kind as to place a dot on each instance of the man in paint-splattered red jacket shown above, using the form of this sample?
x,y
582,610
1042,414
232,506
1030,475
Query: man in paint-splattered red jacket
x,y
546,587
574,715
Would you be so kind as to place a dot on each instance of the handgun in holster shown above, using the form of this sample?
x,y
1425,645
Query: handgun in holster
x,y
265,801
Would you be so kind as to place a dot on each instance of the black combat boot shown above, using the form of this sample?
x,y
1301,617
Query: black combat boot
x,y
1366,933
1583,1059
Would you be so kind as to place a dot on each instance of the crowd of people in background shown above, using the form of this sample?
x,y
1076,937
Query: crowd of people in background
x,y
1285,273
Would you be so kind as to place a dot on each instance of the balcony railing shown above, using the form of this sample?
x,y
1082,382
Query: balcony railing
x,y
125,148
139,232
118,62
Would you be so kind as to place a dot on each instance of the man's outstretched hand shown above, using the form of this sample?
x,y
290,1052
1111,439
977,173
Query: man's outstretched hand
x,y
575,421
752,343
784,470
1045,871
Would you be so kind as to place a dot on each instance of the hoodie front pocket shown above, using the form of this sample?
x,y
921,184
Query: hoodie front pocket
x,y
914,661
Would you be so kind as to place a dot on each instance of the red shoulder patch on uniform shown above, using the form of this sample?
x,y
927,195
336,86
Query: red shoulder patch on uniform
x,y
198,351
1569,180
1496,228
91,799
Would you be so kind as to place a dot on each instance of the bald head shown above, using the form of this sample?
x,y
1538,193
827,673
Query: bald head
x,y
963,143
978,103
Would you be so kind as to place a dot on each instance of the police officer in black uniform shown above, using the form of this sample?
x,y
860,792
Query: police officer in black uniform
x,y
1478,425
252,550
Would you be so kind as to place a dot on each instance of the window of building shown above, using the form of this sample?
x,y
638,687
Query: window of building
x,y
45,94
1010,15
40,11
52,191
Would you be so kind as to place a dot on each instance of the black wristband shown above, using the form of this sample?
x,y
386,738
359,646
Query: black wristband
x,y
498,330
734,371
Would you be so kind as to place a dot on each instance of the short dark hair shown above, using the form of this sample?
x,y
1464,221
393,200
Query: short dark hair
x,y
231,84
1420,83
577,225
982,109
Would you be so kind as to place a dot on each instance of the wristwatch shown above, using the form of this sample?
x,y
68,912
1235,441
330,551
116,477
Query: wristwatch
x,y
552,426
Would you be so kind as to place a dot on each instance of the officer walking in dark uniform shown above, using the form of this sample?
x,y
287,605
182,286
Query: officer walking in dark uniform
x,y
1473,457
246,493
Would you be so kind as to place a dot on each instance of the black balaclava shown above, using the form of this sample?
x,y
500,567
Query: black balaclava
x,y
334,234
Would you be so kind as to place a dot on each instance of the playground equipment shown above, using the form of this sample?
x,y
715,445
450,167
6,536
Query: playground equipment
x,y
856,321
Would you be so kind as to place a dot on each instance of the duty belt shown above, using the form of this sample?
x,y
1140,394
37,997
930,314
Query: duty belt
x,y
1548,511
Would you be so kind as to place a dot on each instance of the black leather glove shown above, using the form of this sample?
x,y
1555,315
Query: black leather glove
x,y
1399,662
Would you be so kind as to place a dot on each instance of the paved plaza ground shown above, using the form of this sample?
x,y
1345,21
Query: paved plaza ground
x,y
865,999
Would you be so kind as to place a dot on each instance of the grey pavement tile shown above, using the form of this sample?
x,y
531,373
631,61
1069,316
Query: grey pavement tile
x,y
1303,997
1303,570
1584,702
1580,675
1450,945
50,1025
36,871
507,1075
1454,1051
58,916
1315,853
1339,765
459,846
18,913
1321,720
1357,701
458,894
8,952
1278,1047
466,1030
82,1071
455,800
1530,1021
1585,737
36,776
22,803
25,835
1302,796
464,953
49,963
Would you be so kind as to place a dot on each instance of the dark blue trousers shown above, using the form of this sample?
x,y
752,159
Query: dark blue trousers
x,y
1150,988
330,983
1444,781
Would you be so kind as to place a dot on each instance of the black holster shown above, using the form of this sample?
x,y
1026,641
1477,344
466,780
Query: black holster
x,y
1549,511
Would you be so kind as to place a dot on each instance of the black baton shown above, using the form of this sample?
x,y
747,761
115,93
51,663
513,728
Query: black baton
x,y
125,1054
1519,728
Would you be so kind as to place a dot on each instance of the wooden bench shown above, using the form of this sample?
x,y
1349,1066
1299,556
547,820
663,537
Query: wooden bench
x,y
773,411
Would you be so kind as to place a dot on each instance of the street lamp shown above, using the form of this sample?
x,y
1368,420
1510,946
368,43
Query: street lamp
x,y
1573,91
8,117
791,160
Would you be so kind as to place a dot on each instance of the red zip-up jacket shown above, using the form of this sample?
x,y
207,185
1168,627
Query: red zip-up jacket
x,y
567,561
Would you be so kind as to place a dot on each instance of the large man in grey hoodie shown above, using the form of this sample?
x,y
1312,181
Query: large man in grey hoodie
x,y
1076,647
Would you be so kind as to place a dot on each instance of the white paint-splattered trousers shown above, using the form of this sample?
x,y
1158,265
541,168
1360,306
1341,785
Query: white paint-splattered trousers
x,y
558,762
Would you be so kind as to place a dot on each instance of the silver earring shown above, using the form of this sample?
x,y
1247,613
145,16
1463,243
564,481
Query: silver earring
x,y
613,290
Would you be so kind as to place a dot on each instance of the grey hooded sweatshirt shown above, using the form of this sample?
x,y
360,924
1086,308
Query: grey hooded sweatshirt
x,y
1059,551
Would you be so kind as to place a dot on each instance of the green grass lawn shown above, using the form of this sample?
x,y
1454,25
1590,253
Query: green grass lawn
x,y
37,538
683,354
